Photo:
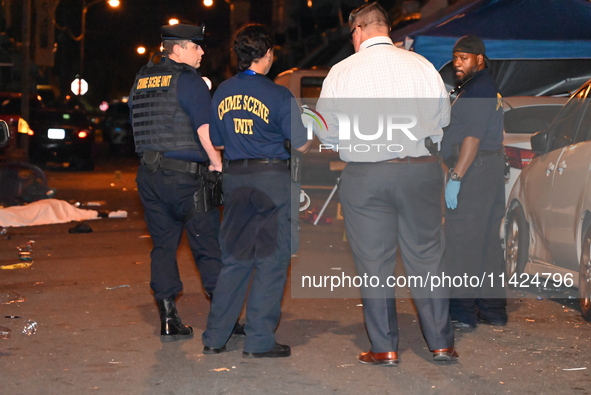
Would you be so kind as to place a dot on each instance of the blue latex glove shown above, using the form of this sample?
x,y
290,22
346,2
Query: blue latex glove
x,y
451,193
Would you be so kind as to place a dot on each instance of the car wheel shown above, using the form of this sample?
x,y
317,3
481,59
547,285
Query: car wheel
x,y
516,242
585,276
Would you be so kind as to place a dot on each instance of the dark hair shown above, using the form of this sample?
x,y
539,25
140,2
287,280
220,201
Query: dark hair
x,y
369,14
251,42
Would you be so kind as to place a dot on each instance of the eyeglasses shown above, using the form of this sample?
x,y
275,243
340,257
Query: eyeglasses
x,y
351,33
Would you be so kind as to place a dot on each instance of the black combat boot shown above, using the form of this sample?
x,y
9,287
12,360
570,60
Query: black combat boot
x,y
172,326
238,327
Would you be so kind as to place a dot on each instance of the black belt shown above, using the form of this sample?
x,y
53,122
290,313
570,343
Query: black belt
x,y
182,166
256,161
415,159
500,151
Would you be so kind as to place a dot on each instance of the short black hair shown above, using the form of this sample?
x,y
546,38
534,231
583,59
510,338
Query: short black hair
x,y
251,42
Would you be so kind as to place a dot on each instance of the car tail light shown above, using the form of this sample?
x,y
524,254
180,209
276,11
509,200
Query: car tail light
x,y
519,157
82,134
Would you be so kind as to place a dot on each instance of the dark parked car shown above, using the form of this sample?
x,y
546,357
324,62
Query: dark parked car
x,y
65,137
10,111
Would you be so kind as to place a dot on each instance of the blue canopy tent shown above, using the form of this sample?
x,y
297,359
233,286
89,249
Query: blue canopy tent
x,y
527,41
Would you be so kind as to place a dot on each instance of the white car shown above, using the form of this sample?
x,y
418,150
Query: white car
x,y
547,230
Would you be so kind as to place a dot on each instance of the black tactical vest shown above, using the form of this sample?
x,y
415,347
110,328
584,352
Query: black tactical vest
x,y
159,123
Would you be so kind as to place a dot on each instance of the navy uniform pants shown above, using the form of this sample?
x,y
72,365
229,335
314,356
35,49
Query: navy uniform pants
x,y
167,196
256,248
391,205
473,243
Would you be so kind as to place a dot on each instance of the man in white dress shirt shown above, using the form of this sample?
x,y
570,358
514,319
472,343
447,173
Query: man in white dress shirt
x,y
391,188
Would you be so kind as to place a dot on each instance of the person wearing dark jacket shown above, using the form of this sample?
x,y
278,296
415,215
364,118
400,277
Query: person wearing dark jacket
x,y
472,148
170,106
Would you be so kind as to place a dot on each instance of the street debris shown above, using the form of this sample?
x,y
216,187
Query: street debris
x,y
5,333
220,370
25,256
22,265
95,204
118,214
30,328
12,316
572,369
118,286
11,297
81,227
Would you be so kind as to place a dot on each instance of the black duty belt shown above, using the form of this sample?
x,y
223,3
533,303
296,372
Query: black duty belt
x,y
256,161
500,151
182,166
415,159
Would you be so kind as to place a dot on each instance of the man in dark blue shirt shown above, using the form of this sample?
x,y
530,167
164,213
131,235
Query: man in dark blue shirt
x,y
472,148
251,120
170,105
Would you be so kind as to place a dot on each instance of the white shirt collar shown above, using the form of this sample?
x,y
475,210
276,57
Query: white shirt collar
x,y
375,40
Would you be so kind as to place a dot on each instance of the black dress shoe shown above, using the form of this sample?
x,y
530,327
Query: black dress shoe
x,y
210,350
238,330
463,325
279,351
445,355
494,320
379,358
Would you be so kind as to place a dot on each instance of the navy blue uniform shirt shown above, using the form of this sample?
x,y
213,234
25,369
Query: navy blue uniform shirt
x,y
476,112
251,117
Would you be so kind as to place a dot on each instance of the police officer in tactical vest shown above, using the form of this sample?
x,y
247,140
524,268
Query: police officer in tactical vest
x,y
170,107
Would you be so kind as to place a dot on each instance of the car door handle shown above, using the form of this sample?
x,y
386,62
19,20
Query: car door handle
x,y
550,168
561,167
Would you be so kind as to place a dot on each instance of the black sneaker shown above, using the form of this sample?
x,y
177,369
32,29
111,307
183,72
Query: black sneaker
x,y
279,351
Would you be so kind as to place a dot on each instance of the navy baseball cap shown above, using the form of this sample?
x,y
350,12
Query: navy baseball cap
x,y
192,33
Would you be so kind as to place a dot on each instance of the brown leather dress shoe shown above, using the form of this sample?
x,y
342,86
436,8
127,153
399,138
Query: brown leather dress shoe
x,y
445,355
379,358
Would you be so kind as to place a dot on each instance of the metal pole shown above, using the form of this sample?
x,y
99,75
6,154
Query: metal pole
x,y
22,140
82,37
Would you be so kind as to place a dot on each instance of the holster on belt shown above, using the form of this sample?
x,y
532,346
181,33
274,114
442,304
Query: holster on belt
x,y
209,196
151,159
295,162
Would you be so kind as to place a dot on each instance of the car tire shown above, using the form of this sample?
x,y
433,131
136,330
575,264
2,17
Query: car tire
x,y
516,244
585,276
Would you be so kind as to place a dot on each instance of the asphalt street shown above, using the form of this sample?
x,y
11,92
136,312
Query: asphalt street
x,y
97,325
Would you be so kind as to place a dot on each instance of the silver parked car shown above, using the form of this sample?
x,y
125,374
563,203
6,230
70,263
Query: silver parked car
x,y
547,229
525,115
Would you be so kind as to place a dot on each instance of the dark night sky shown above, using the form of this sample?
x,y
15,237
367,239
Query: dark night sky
x,y
112,36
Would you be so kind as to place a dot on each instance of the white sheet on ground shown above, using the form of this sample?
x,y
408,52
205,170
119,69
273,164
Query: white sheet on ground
x,y
44,212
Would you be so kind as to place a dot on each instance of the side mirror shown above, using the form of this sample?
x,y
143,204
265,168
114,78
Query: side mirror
x,y
4,133
539,142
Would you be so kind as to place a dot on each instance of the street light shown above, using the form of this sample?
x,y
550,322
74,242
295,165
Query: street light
x,y
112,4
85,7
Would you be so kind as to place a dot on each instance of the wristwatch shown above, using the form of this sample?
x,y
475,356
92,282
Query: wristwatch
x,y
455,177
